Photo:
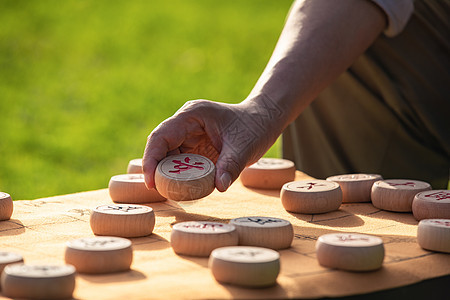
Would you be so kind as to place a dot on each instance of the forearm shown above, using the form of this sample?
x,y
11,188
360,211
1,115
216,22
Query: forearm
x,y
320,40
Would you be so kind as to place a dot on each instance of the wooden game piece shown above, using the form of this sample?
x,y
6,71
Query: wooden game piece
x,y
273,233
268,173
99,255
21,281
355,187
396,194
130,188
245,266
433,204
135,166
7,258
311,196
185,177
6,206
350,251
199,238
434,234
123,220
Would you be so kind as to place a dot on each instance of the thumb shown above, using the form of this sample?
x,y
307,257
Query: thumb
x,y
228,167
223,181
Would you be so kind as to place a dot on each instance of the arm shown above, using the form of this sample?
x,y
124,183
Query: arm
x,y
321,38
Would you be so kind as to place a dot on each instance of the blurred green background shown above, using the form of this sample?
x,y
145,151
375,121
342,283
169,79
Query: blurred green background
x,y
82,83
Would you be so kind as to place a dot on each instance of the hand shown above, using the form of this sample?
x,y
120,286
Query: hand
x,y
225,133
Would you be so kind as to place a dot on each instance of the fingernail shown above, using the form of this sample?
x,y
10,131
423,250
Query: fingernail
x,y
225,179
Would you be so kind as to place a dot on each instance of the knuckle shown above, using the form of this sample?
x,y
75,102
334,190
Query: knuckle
x,y
195,106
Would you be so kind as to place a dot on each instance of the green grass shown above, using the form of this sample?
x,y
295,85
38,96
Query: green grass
x,y
82,83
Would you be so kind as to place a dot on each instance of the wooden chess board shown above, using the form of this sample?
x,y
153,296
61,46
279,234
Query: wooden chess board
x,y
39,230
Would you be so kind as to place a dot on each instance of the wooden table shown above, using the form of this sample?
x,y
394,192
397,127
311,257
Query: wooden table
x,y
40,228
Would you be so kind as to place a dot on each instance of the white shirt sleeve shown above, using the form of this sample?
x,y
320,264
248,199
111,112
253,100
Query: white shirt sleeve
x,y
398,13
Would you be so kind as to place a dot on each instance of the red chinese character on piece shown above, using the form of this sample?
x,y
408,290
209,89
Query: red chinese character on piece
x,y
348,238
445,223
184,166
205,226
409,183
310,186
439,195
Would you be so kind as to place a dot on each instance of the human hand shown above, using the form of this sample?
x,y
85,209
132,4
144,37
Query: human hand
x,y
225,133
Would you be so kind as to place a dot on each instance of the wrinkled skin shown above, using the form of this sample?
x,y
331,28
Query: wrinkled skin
x,y
225,133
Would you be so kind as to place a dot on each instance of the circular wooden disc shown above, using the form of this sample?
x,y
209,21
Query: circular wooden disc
x,y
6,206
38,281
355,187
396,194
266,163
350,251
268,173
204,227
199,238
123,220
185,177
268,232
4,195
39,271
130,188
434,234
245,266
433,204
135,166
311,196
123,209
99,255
99,243
7,258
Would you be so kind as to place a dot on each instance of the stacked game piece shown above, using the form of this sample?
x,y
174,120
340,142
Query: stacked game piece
x,y
7,258
273,233
6,206
99,255
434,204
434,234
21,281
396,194
123,220
135,166
185,177
311,196
268,173
199,238
355,187
130,188
350,251
245,266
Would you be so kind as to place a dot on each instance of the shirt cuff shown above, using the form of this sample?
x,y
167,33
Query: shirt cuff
x,y
398,13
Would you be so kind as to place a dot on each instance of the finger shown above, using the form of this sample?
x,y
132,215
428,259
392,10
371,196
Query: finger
x,y
155,150
228,167
163,139
174,152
